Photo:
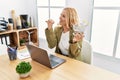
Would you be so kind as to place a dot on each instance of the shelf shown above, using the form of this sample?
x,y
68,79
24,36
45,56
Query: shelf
x,y
16,35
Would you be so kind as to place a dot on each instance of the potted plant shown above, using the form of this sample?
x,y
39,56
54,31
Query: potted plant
x,y
23,69
22,42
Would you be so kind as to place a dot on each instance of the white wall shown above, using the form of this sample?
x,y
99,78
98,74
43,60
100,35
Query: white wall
x,y
20,7
84,9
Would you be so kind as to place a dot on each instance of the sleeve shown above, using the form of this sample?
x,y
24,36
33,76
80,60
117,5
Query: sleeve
x,y
51,39
75,49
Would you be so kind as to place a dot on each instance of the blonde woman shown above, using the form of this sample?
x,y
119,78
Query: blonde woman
x,y
62,36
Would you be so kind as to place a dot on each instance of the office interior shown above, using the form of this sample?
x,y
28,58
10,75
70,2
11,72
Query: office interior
x,y
85,10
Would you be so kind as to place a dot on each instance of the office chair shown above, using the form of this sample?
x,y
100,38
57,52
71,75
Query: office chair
x,y
86,52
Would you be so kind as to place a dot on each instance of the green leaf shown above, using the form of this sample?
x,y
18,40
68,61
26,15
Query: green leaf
x,y
23,67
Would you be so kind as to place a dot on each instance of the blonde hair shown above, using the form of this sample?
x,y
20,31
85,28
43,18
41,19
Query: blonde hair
x,y
72,16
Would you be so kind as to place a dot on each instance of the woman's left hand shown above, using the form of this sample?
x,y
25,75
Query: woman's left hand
x,y
78,37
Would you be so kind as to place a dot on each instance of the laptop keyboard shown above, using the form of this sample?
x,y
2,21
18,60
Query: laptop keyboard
x,y
53,63
54,60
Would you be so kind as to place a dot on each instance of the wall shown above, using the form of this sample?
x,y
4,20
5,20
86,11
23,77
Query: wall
x,y
20,7
84,9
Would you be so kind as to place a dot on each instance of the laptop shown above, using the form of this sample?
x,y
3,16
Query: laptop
x,y
40,55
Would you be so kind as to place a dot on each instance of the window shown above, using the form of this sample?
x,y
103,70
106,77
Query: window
x,y
118,49
48,9
105,36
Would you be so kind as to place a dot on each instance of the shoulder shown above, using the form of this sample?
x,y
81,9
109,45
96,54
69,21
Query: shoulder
x,y
58,27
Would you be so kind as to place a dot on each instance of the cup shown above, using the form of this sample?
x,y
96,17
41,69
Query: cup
x,y
12,53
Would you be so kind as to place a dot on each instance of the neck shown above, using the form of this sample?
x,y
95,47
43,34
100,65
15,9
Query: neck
x,y
65,29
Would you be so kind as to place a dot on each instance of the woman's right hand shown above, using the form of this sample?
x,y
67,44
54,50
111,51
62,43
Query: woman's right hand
x,y
50,22
78,37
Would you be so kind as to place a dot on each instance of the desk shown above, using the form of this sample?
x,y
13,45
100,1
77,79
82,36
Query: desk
x,y
70,70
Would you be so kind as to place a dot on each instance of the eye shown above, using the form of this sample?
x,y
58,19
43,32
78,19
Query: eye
x,y
63,16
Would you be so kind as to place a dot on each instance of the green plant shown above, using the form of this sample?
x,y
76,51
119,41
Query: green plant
x,y
23,67
22,40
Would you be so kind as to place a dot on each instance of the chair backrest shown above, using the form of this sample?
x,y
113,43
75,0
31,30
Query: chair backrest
x,y
86,52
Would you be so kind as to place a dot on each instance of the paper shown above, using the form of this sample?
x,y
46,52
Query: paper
x,y
80,28
23,54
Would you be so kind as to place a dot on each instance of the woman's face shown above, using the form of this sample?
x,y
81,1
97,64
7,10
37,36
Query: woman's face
x,y
63,18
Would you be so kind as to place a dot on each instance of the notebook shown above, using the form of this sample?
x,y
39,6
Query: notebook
x,y
40,55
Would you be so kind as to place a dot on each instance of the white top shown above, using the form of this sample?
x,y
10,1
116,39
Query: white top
x,y
64,43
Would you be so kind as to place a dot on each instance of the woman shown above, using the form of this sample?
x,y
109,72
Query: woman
x,y
62,36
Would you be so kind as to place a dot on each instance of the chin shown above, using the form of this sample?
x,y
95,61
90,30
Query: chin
x,y
61,23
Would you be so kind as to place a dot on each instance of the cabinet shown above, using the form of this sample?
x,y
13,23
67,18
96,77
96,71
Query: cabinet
x,y
15,36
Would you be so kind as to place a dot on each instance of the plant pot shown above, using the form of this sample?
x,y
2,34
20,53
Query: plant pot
x,y
24,75
22,44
